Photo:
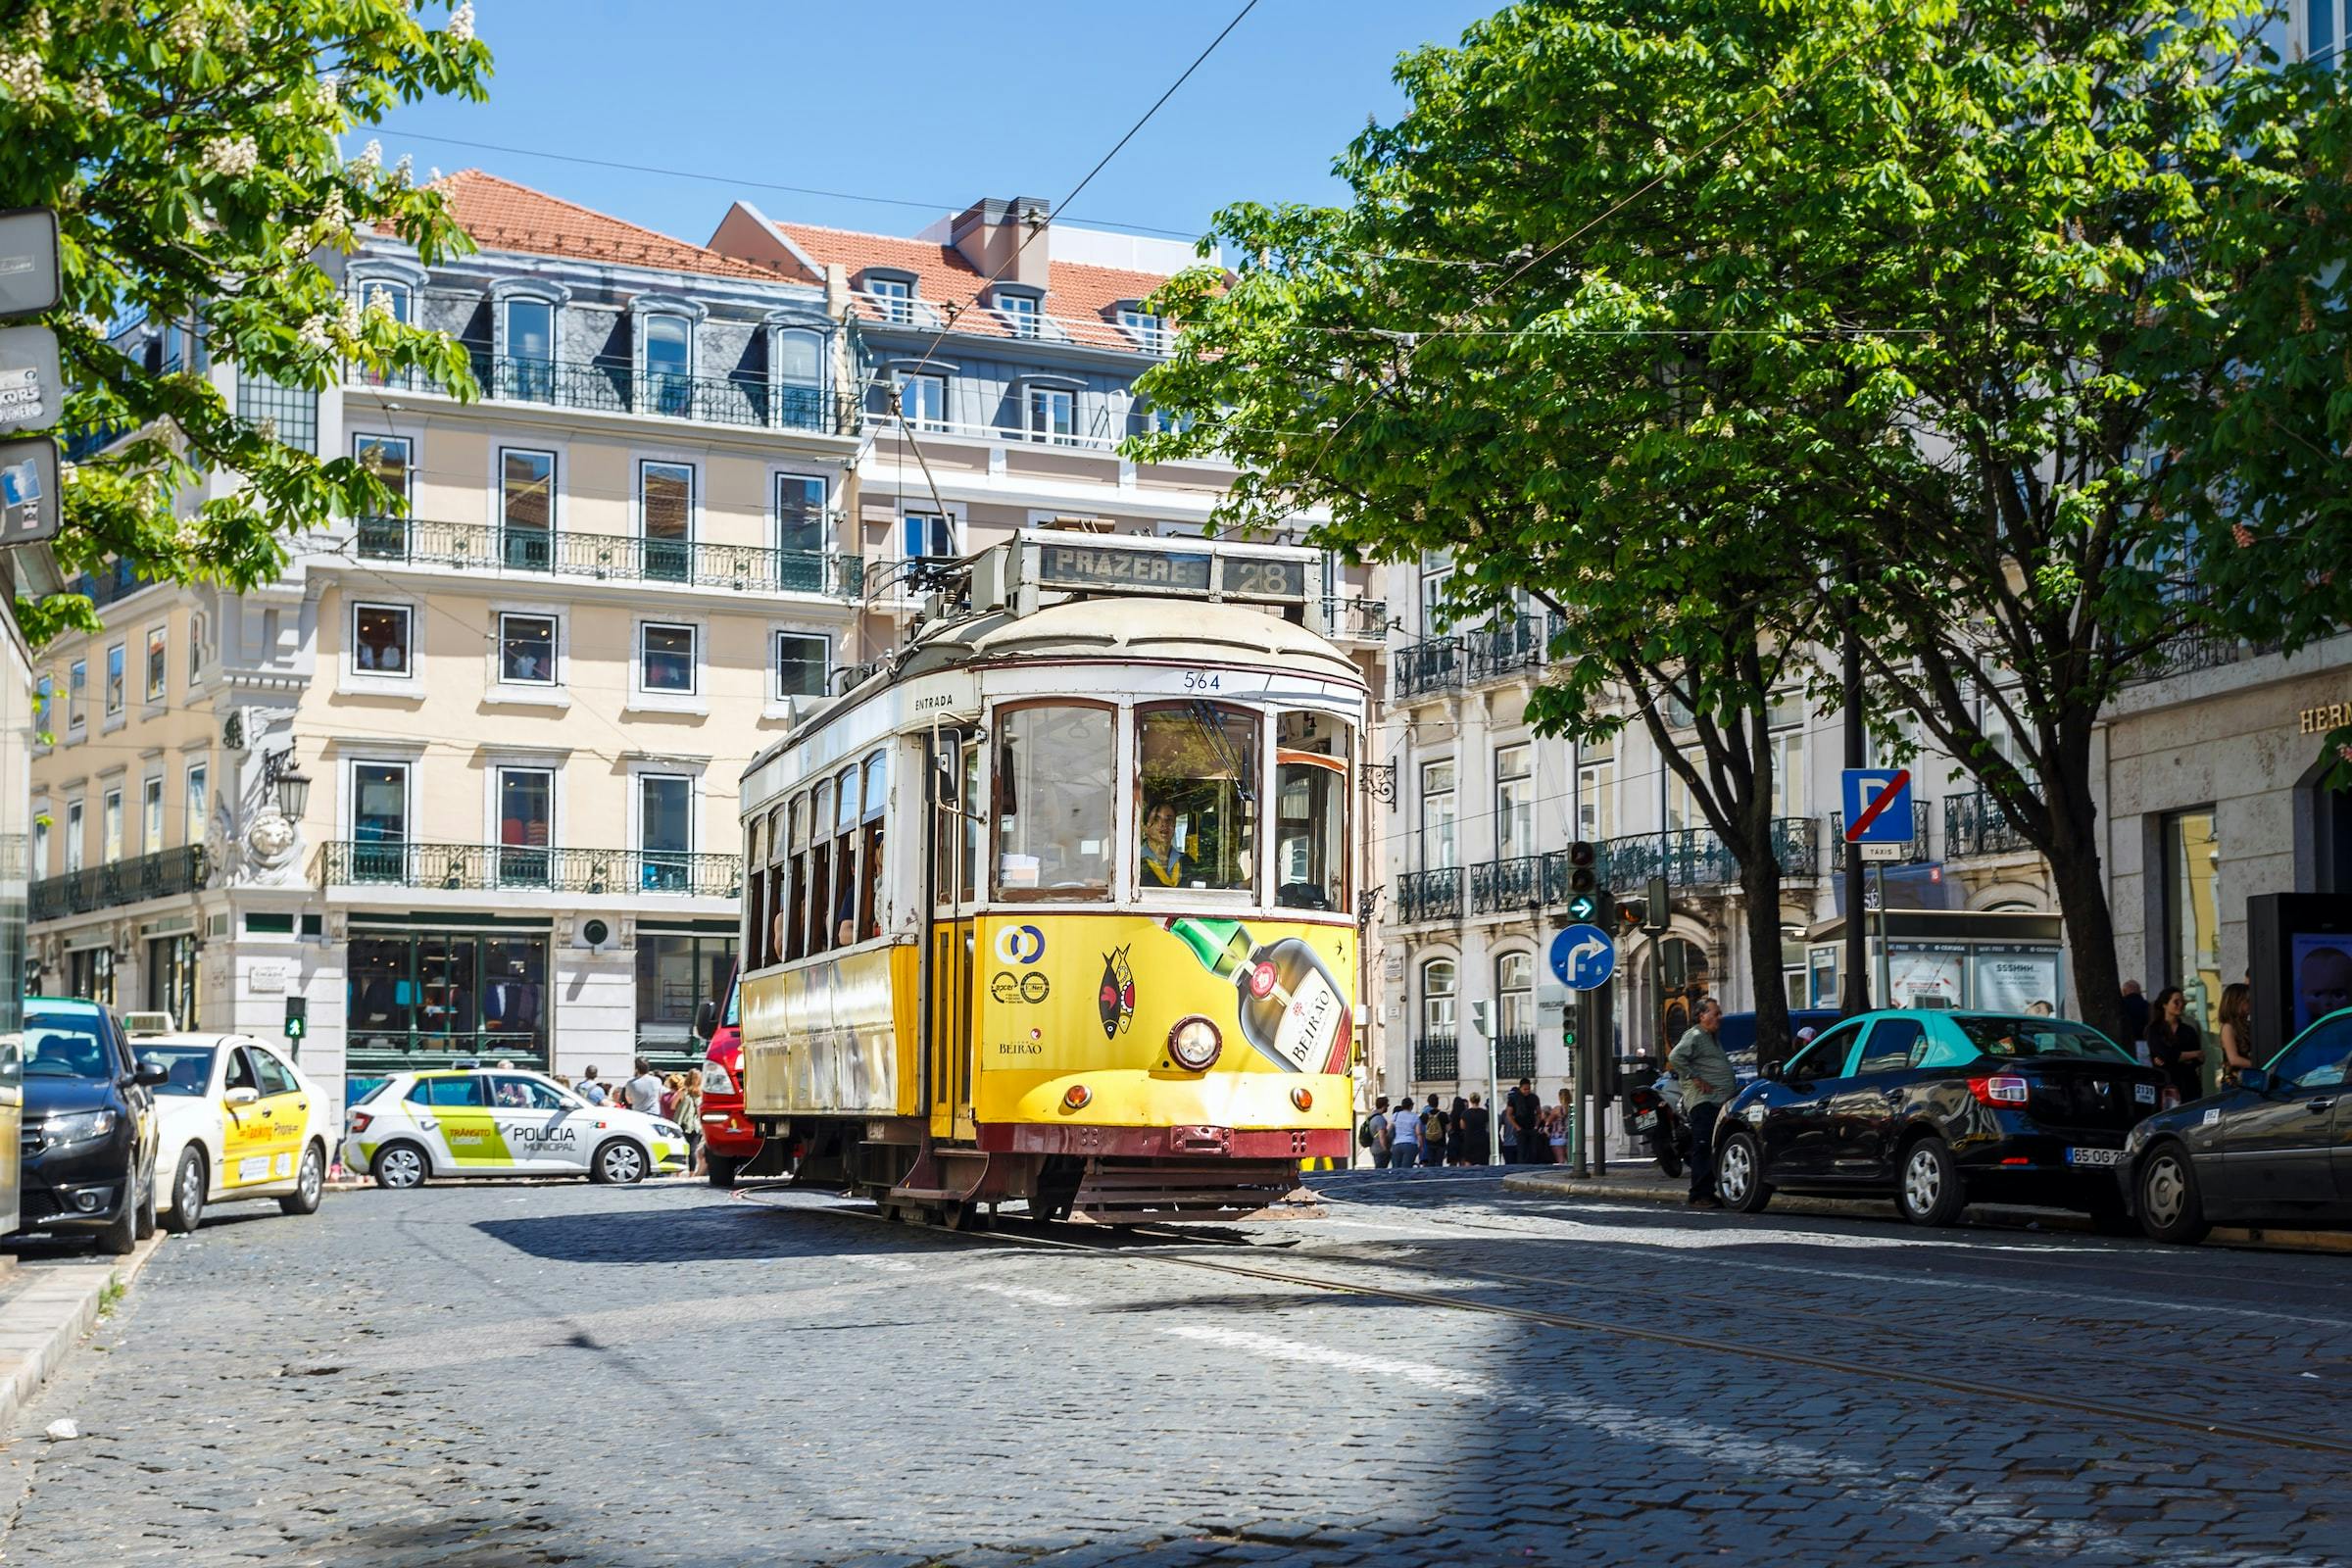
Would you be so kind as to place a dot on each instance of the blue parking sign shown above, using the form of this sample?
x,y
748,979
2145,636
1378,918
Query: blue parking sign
x,y
1878,804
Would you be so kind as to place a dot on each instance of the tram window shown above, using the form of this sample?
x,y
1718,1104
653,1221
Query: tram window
x,y
843,918
1310,811
1054,802
755,892
878,797
793,912
1196,777
974,824
877,784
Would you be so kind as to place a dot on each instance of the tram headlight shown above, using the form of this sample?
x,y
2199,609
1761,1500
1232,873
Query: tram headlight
x,y
1194,1044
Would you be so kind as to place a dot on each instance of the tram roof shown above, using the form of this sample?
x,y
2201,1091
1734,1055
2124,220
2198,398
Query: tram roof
x,y
1110,629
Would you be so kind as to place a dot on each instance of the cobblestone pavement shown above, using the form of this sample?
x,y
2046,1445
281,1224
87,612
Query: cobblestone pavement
x,y
483,1375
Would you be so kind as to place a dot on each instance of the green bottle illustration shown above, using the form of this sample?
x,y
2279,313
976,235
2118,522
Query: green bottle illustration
x,y
1291,1009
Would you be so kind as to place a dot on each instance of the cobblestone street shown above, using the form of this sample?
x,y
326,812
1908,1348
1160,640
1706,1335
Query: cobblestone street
x,y
485,1375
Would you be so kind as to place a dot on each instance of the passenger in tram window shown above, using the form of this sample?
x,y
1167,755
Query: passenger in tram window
x,y
1164,864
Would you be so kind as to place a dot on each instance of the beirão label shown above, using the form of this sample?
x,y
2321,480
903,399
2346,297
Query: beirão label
x,y
1310,1023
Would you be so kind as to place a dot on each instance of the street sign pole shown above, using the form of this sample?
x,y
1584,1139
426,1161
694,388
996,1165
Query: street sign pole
x,y
1886,965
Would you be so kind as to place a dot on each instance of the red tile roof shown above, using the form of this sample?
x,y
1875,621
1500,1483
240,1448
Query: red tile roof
x,y
503,216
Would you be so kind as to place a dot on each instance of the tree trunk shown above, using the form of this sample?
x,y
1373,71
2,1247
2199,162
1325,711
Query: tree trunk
x,y
1760,890
2081,882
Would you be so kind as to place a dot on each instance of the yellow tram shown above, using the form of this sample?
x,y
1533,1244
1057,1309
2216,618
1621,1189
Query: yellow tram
x,y
1057,905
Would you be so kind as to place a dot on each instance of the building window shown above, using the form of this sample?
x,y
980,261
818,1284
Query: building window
x,y
288,415
389,459
78,689
199,801
666,659
1148,330
526,649
151,816
172,978
44,705
664,830
40,845
1436,572
801,378
527,820
802,661
158,669
526,512
2192,857
2324,30
529,372
441,998
379,822
893,297
196,631
1019,311
666,516
675,975
1514,802
928,533
800,533
115,658
75,827
1596,790
1437,998
109,821
1515,996
379,640
1437,816
924,400
1788,754
1052,415
668,364
90,974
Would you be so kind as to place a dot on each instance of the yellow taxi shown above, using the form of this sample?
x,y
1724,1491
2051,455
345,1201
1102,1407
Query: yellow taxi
x,y
238,1121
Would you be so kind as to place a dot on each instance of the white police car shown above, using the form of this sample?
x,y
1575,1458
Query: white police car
x,y
501,1122
235,1120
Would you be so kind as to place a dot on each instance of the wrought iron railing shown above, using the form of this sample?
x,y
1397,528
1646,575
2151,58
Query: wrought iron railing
x,y
1519,882
616,386
1436,1057
115,580
1515,1057
1424,669
165,874
477,867
562,553
1694,857
377,1051
1913,855
1974,824
1358,620
985,320
1430,895
1505,648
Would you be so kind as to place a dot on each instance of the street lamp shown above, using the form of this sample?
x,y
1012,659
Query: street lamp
x,y
280,772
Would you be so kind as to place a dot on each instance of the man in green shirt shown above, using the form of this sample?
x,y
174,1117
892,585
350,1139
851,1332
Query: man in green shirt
x,y
1704,1071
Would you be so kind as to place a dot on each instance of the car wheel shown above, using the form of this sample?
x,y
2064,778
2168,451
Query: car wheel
x,y
1931,1190
2170,1209
400,1165
618,1163
122,1235
308,1183
721,1169
189,1185
143,1216
1740,1174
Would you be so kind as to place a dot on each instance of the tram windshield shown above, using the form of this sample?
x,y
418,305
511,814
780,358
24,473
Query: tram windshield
x,y
1053,770
1197,774
1310,811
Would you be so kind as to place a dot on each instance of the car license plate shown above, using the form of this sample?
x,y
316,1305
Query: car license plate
x,y
1645,1122
2095,1156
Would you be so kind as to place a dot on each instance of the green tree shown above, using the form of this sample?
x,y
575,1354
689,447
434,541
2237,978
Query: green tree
x,y
190,150
1892,311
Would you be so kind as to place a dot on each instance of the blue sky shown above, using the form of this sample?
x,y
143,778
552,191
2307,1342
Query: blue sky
x,y
934,103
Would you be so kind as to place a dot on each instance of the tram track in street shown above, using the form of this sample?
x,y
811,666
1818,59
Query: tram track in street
x,y
1014,1234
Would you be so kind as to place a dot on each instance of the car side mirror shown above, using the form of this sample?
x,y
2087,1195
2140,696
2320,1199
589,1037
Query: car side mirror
x,y
242,1096
2257,1079
706,1019
151,1073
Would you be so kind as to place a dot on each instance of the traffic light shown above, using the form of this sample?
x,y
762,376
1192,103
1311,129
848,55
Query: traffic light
x,y
298,1017
1631,914
1584,868
1657,914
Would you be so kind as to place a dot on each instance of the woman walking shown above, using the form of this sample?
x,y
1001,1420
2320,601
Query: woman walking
x,y
2174,1045
1458,1124
2237,1030
687,1111
1555,1131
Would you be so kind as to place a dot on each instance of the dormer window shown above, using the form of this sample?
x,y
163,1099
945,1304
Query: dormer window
x,y
1149,330
893,297
1019,312
530,366
668,364
801,378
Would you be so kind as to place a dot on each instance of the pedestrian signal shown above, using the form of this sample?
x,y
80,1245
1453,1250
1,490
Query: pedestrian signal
x,y
298,1017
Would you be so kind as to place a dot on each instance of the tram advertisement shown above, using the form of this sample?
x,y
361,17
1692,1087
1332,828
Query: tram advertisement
x,y
1086,991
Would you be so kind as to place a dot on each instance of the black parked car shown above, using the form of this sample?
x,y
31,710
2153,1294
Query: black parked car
x,y
89,1130
2277,1147
1940,1109
1737,1035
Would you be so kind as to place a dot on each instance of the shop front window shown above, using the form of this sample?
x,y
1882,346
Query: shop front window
x,y
172,978
441,998
1197,771
675,974
2192,857
1053,771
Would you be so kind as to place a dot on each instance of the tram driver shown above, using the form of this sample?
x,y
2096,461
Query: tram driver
x,y
1164,864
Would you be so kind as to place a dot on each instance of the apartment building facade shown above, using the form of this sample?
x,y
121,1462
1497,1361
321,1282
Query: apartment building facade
x,y
514,708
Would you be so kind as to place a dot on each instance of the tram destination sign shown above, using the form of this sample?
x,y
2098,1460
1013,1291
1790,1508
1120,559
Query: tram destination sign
x,y
1182,573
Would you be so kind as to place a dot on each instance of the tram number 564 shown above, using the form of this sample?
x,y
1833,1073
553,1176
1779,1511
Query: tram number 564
x,y
1203,680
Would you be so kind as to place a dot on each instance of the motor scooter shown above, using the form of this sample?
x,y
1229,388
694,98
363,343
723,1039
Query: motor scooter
x,y
1655,1112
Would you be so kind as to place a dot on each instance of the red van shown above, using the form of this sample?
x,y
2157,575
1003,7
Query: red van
x,y
728,1142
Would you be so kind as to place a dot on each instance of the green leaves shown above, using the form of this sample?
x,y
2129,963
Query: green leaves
x,y
190,150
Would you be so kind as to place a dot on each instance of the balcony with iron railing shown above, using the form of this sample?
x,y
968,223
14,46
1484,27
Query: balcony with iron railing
x,y
973,319
1694,857
1974,826
1515,1057
167,873
1519,882
1425,669
617,386
1437,1059
1430,895
497,867
1914,855
1505,649
621,557
1355,620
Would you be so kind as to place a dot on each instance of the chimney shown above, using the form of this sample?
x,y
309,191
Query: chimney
x,y
989,235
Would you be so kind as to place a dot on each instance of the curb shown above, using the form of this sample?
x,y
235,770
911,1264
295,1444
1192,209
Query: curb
x,y
48,1313
2258,1238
